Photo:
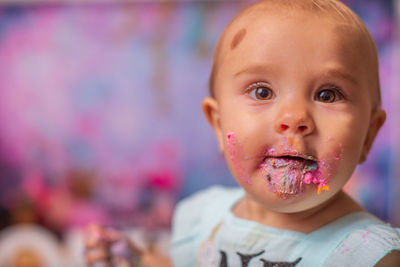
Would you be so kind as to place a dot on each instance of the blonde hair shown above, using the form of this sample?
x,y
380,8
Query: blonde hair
x,y
331,8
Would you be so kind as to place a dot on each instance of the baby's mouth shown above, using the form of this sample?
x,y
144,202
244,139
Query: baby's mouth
x,y
288,174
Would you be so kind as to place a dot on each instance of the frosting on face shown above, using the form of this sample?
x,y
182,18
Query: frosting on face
x,y
286,173
237,156
287,176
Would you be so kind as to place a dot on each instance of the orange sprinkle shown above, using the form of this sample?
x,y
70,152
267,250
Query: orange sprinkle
x,y
323,187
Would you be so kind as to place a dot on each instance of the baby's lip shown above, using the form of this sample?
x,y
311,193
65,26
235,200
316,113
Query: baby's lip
x,y
290,155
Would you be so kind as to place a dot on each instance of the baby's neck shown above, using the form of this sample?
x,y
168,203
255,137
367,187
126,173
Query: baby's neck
x,y
305,221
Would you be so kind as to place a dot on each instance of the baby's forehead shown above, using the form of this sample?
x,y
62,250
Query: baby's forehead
x,y
266,16
258,28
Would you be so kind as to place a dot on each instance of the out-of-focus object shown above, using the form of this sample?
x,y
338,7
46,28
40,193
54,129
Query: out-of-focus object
x,y
28,245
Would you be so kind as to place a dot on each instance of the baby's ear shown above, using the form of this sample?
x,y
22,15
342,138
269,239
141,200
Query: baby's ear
x,y
211,112
377,120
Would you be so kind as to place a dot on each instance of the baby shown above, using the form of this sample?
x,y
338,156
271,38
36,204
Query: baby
x,y
295,106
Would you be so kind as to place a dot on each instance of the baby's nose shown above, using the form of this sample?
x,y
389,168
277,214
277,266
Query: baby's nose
x,y
295,124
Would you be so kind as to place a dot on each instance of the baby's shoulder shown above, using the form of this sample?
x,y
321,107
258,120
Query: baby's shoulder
x,y
203,208
372,237
366,246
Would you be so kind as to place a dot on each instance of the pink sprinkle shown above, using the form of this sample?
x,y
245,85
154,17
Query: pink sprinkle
x,y
308,178
363,236
271,151
321,182
345,250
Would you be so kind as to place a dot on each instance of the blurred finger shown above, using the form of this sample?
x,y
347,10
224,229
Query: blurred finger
x,y
96,254
94,235
124,253
112,235
154,259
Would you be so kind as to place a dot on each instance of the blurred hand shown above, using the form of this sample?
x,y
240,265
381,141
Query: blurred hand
x,y
154,259
106,247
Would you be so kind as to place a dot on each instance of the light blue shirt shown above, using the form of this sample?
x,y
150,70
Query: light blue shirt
x,y
206,233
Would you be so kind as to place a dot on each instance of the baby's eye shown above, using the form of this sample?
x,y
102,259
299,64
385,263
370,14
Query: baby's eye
x,y
329,95
260,91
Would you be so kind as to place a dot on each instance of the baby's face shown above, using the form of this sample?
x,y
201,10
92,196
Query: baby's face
x,y
293,112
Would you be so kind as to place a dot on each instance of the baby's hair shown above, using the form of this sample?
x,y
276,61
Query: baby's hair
x,y
330,8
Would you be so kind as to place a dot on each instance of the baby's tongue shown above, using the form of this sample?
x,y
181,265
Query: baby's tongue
x,y
285,175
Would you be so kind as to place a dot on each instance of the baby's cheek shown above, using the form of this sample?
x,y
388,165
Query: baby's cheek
x,y
351,134
237,157
344,136
340,163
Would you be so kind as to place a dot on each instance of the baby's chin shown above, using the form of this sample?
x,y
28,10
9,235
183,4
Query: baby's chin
x,y
304,200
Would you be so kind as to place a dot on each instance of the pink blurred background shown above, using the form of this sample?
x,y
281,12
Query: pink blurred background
x,y
100,116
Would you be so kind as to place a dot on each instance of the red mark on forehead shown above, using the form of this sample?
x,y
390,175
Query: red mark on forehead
x,y
238,38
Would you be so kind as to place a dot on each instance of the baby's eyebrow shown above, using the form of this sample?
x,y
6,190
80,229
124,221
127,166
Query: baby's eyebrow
x,y
341,74
254,69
